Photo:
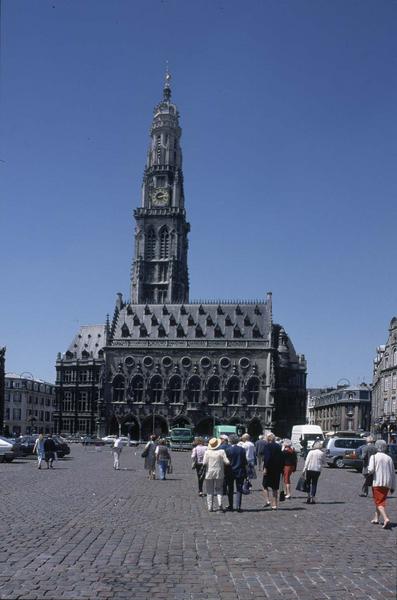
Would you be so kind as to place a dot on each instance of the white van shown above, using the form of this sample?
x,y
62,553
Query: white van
x,y
310,433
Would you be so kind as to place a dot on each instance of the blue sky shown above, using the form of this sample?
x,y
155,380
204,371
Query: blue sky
x,y
288,110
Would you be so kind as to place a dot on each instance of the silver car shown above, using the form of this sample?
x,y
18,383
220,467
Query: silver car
x,y
336,448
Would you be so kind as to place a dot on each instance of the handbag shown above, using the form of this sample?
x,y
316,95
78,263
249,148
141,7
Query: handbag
x,y
145,452
302,486
247,485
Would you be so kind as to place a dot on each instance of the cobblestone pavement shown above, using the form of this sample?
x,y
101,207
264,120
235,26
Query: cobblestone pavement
x,y
83,530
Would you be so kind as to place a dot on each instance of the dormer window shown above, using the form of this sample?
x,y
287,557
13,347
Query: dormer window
x,y
180,333
210,322
142,331
154,321
125,332
172,321
228,321
256,332
199,331
218,331
190,321
247,322
161,331
237,332
136,320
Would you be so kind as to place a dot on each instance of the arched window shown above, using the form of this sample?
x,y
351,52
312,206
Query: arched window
x,y
253,390
137,388
156,390
150,244
194,387
233,390
118,388
164,243
214,390
175,389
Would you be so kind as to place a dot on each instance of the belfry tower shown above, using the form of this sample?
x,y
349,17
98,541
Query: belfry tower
x,y
159,270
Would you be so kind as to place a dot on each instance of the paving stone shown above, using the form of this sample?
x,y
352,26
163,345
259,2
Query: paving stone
x,y
85,531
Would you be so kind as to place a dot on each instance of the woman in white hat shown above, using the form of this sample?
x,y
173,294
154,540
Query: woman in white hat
x,y
215,460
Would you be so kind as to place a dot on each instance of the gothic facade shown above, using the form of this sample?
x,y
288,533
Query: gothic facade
x,y
384,386
162,360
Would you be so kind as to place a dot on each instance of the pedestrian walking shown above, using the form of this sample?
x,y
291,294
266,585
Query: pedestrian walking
x,y
365,452
384,481
116,451
163,458
38,449
273,463
150,457
238,468
290,462
49,451
314,462
259,449
250,454
228,483
197,462
215,461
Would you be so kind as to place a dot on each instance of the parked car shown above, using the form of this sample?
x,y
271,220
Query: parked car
x,y
91,440
337,448
353,459
7,450
62,447
109,439
27,443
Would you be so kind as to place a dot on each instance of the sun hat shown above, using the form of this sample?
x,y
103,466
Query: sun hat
x,y
214,443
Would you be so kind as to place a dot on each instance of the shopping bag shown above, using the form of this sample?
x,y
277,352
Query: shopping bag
x,y
247,485
302,486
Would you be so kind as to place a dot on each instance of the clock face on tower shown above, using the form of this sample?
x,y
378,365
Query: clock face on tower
x,y
160,197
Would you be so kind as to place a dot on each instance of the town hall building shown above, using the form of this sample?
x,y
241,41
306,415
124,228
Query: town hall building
x,y
164,361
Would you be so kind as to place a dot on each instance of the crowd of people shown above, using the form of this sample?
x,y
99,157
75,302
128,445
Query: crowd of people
x,y
228,465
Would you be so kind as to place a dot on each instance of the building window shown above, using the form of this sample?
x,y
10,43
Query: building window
x,y
125,332
163,271
156,390
175,390
386,383
180,333
67,376
118,389
194,387
137,389
394,381
83,425
66,426
395,357
213,390
253,390
83,402
233,390
67,404
16,414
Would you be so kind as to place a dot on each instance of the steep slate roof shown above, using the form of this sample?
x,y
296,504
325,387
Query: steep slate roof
x,y
205,317
90,339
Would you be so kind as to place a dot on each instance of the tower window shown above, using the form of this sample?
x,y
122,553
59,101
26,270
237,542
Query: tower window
x,y
150,244
163,272
164,243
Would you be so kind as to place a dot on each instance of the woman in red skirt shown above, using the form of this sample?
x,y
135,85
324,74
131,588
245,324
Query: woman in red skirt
x,y
290,460
382,468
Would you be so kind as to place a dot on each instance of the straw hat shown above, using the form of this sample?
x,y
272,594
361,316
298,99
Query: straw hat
x,y
214,443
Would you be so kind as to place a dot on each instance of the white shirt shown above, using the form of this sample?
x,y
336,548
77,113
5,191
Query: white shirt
x,y
249,448
118,443
314,460
215,461
381,465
